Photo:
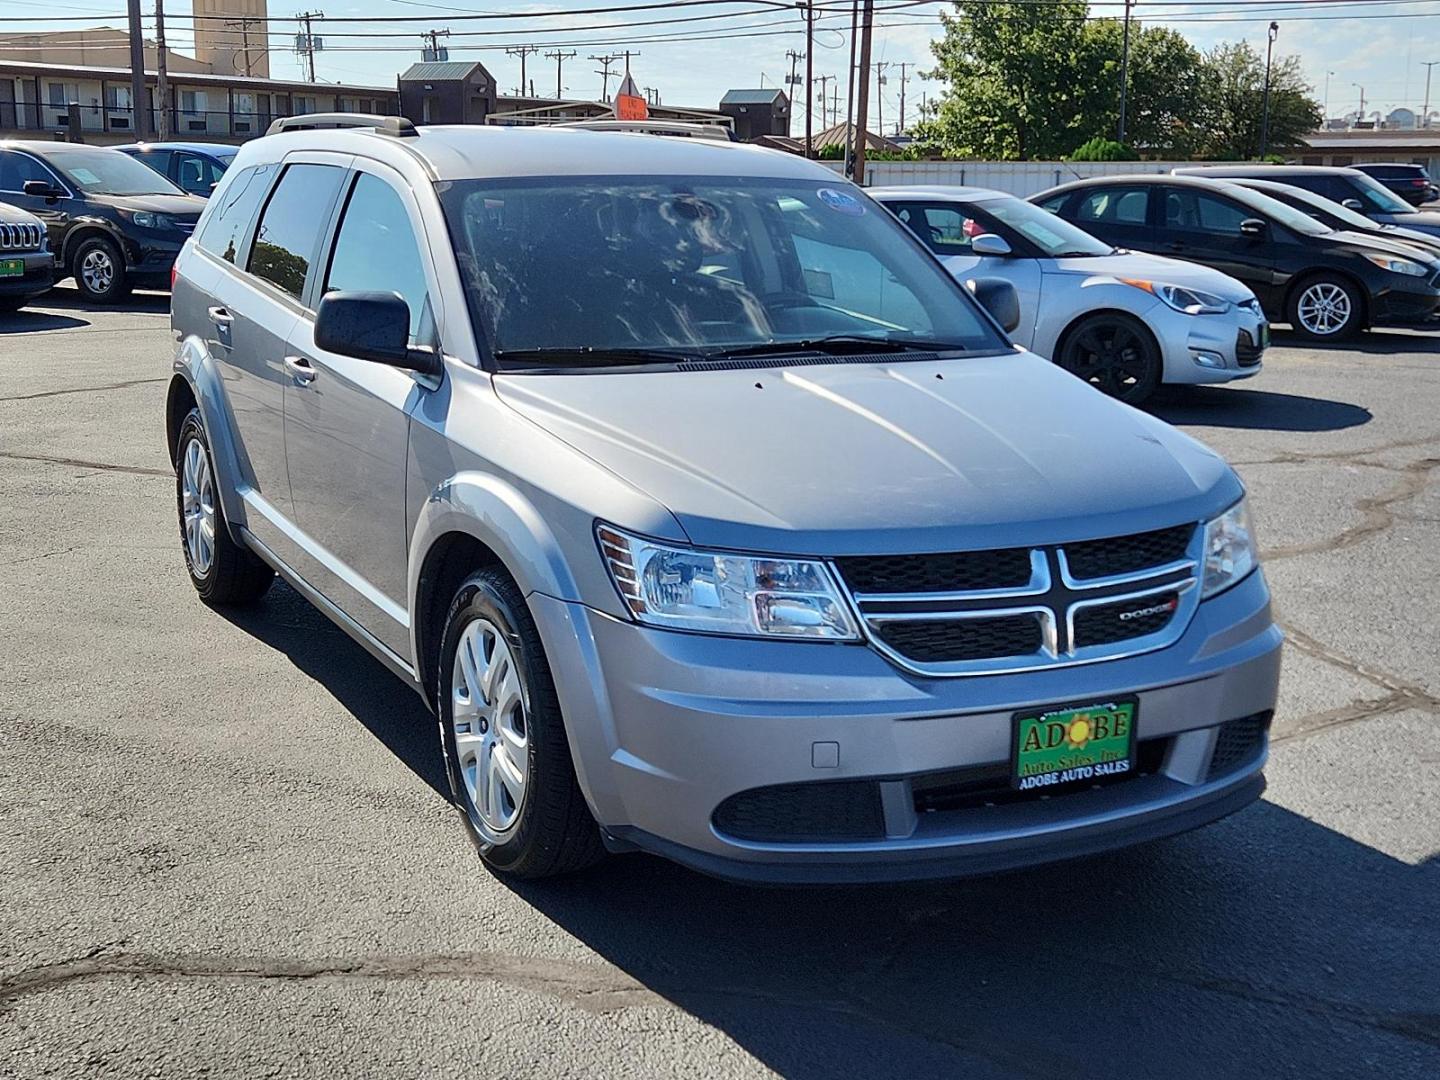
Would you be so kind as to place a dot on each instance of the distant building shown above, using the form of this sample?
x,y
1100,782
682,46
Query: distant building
x,y
757,112
234,40
1356,146
100,46
447,92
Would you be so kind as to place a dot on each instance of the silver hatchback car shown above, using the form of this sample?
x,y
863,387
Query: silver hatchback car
x,y
709,514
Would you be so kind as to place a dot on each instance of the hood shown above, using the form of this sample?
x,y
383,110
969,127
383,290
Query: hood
x,y
1428,241
13,215
832,459
180,206
1157,268
1426,221
1369,241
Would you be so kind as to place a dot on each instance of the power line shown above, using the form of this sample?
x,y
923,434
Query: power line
x,y
560,57
305,41
605,62
522,51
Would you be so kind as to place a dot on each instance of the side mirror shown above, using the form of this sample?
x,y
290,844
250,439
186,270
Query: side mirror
x,y
999,298
990,244
371,326
1253,226
40,189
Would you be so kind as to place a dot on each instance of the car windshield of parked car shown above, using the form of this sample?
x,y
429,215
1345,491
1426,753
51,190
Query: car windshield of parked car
x,y
1343,214
1053,235
599,267
98,171
1380,198
1275,210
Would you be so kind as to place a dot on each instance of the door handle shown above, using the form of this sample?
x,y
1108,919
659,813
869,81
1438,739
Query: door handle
x,y
300,369
220,317
1176,245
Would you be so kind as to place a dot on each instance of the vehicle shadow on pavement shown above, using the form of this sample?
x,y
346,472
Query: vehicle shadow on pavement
x,y
1381,342
26,321
67,297
389,710
1242,407
1138,964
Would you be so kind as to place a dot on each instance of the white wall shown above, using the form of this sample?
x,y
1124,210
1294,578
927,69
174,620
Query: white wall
x,y
1016,177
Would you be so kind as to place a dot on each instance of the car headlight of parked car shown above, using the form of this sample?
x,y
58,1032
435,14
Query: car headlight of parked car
x,y
720,592
1229,550
148,220
1181,298
1397,266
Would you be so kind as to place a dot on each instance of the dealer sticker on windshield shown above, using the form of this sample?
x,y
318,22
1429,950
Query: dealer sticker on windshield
x,y
1061,747
841,201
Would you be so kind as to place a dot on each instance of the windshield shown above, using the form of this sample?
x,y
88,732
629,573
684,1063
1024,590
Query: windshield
x,y
1276,210
1292,195
1053,235
99,171
1379,196
695,266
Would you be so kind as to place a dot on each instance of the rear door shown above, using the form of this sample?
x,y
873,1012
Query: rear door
x,y
1204,227
347,420
1119,214
194,174
947,229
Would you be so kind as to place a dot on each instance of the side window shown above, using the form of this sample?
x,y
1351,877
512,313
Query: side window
x,y
1196,211
291,224
376,250
857,281
15,169
232,209
194,173
1115,206
159,160
1054,203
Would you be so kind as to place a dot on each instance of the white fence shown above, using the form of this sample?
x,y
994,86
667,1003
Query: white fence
x,y
1016,177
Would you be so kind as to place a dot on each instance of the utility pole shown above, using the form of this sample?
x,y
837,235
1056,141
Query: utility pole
x,y
850,93
1326,108
137,75
559,56
1265,110
904,78
305,43
862,109
793,79
162,86
605,62
835,103
810,78
1362,98
880,81
824,81
1425,112
1124,73
244,24
522,51
627,54
432,52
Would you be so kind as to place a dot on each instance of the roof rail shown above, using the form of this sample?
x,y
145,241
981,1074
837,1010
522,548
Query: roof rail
x,y
396,126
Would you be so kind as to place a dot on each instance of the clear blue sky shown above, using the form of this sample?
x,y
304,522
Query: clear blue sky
x,y
1385,55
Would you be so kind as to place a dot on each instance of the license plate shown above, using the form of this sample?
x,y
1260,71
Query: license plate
x,y
1056,748
1264,335
12,267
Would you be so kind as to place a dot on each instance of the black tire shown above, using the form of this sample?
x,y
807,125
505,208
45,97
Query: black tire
x,y
235,574
12,303
1115,354
553,832
116,284
1317,289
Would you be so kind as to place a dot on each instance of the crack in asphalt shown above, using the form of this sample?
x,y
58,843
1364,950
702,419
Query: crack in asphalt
x,y
1376,510
103,466
83,389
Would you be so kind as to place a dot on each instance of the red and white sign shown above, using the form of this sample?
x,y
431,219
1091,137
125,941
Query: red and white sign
x,y
630,104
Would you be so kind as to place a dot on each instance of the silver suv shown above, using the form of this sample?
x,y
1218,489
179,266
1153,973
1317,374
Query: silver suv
x,y
708,513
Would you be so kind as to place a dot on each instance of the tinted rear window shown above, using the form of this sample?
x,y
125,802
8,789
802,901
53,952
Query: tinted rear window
x,y
232,210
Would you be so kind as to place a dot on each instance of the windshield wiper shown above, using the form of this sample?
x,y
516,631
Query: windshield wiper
x,y
835,345
589,356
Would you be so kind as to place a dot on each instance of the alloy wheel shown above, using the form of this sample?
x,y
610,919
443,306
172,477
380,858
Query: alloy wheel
x,y
492,744
97,270
197,507
1111,357
1324,309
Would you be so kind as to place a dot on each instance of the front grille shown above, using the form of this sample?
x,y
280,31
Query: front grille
x,y
1238,743
937,641
187,227
1003,568
1016,609
1247,352
1105,624
827,810
1127,554
21,236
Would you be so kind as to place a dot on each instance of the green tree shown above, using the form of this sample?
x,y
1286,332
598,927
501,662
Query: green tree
x,y
1236,92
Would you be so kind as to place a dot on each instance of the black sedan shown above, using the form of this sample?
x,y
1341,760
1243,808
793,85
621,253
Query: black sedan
x,y
1325,283
1336,216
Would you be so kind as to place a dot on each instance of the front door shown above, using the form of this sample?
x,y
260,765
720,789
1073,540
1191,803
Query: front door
x,y
15,169
1204,228
347,420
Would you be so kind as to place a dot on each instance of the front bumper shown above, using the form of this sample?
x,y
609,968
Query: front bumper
x,y
1209,348
39,275
148,260
665,727
1417,305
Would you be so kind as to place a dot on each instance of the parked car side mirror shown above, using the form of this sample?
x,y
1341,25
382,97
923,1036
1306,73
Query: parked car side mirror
x,y
1352,204
371,326
1253,226
41,189
999,298
990,244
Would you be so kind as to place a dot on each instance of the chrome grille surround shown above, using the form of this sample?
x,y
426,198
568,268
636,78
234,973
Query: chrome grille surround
x,y
1052,595
21,236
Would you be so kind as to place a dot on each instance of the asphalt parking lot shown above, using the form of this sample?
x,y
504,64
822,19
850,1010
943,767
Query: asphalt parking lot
x,y
225,850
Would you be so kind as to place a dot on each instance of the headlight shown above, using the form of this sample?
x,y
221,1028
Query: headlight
x,y
722,593
1397,266
1182,299
1229,550
146,219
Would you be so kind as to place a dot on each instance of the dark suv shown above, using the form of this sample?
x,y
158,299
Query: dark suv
x,y
114,224
1327,284
1410,182
1348,187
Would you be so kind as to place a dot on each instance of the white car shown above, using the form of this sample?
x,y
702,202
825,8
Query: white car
x,y
1123,321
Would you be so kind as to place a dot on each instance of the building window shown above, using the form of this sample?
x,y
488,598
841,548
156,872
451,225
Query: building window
x,y
303,105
